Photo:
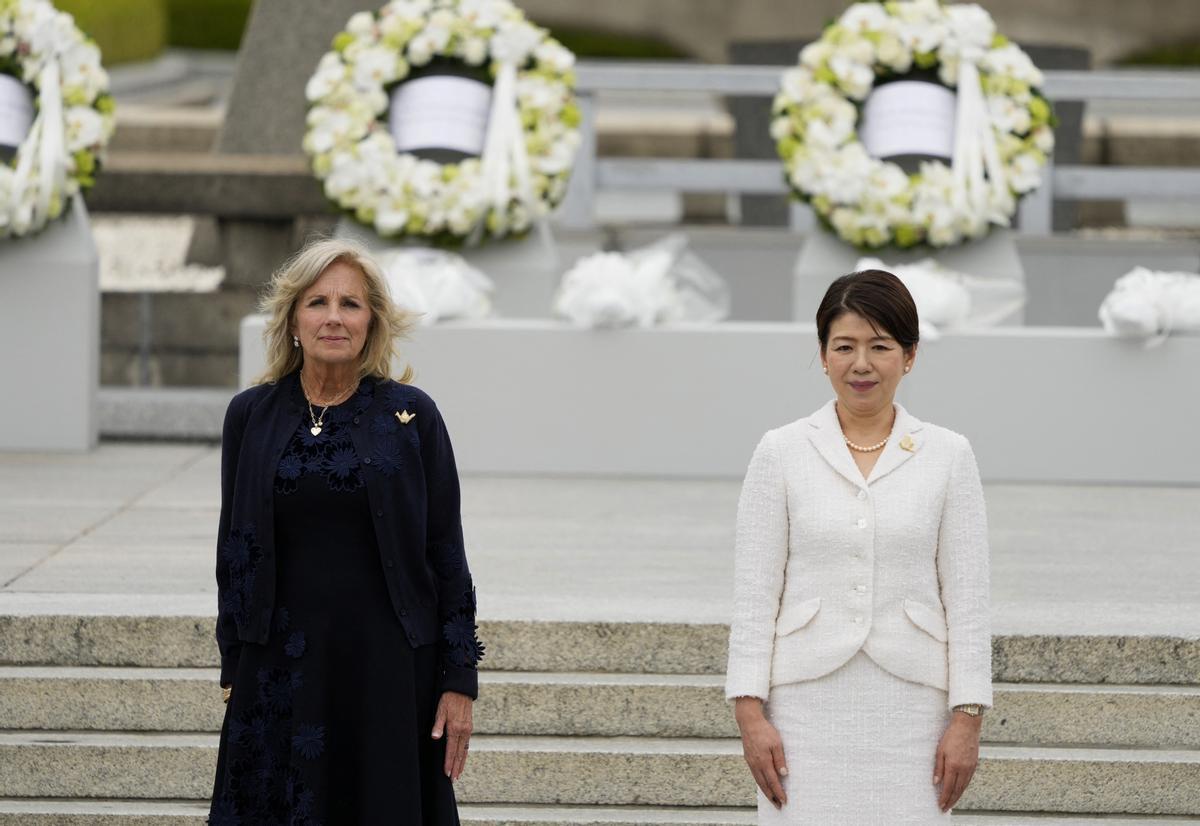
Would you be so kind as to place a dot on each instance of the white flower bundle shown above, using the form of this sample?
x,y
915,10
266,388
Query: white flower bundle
x,y
872,203
401,195
1152,304
43,49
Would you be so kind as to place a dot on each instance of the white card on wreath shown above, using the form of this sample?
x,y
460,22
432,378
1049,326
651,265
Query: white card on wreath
x,y
909,117
440,112
16,111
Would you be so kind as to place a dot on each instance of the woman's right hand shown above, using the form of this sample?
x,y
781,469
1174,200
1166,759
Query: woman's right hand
x,y
763,749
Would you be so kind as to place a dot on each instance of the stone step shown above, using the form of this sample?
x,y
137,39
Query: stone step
x,y
589,704
620,647
604,771
185,813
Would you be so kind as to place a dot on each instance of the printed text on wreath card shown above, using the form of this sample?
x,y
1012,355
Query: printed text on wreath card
x,y
442,112
16,111
909,118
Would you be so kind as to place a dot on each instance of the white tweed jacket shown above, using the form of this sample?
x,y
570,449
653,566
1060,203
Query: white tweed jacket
x,y
828,563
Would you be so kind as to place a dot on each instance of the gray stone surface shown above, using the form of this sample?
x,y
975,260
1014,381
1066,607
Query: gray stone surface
x,y
102,813
110,699
1067,560
591,704
1086,780
670,371
61,764
250,187
608,771
164,413
121,367
154,640
139,813
177,322
1144,716
280,50
144,641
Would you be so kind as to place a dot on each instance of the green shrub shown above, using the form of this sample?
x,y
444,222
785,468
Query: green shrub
x,y
207,24
586,43
125,30
1179,54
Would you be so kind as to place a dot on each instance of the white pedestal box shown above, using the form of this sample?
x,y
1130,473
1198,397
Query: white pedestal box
x,y
1049,404
993,260
50,337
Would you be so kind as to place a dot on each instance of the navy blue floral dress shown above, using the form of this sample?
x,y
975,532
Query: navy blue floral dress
x,y
330,721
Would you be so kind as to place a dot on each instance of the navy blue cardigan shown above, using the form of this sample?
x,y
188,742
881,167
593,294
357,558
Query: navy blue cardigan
x,y
412,486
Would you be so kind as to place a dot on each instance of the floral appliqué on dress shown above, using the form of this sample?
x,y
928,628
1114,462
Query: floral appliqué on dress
x,y
329,453
264,783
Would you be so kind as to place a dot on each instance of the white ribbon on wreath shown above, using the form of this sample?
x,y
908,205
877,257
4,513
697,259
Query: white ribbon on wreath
x,y
975,150
46,142
505,158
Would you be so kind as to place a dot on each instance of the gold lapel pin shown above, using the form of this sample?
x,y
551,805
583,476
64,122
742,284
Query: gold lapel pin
x,y
405,417
908,444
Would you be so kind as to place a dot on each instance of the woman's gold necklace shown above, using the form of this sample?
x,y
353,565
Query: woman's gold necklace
x,y
318,422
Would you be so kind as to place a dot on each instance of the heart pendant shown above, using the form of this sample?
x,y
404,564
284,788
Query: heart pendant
x,y
316,431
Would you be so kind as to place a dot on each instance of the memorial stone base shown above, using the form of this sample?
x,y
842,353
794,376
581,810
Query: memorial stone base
x,y
1053,402
50,337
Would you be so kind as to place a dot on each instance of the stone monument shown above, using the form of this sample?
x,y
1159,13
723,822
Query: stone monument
x,y
283,42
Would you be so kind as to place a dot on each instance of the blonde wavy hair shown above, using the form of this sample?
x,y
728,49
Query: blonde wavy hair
x,y
301,271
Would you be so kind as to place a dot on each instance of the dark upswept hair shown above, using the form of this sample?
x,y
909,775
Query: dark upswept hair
x,y
879,297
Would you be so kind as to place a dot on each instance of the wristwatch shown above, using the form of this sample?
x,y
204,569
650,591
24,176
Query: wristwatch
x,y
970,709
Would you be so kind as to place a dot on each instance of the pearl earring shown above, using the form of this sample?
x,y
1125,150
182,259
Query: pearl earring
x,y
826,369
295,341
906,369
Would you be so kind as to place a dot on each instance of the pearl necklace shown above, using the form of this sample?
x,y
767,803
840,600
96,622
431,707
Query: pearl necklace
x,y
870,449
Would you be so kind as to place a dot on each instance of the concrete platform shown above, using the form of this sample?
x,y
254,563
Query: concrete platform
x,y
129,530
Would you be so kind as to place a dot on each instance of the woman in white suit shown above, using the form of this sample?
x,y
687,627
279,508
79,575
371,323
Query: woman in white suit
x,y
860,647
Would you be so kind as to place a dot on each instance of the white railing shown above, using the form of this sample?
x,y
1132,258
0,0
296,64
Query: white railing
x,y
765,177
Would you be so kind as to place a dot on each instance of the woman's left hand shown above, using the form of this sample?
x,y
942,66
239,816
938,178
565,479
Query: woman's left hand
x,y
454,720
957,758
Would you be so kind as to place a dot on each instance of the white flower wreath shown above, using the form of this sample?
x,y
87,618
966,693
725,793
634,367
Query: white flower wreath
x,y
59,156
872,203
399,194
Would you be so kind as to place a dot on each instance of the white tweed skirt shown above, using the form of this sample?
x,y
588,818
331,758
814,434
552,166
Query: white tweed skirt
x,y
860,745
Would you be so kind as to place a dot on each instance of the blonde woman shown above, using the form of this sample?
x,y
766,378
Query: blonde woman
x,y
860,647
346,611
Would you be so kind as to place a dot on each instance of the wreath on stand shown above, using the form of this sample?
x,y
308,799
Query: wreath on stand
x,y
531,130
1002,125
54,91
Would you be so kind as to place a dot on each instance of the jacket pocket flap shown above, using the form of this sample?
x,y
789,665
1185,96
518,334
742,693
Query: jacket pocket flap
x,y
794,617
927,619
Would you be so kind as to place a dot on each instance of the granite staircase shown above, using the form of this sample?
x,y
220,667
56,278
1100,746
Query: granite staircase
x,y
112,721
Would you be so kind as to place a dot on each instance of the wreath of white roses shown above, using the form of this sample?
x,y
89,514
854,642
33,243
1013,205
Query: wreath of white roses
x,y
41,47
399,194
872,203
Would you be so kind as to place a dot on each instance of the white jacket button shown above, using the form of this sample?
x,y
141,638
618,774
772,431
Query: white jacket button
x,y
858,620
862,523
860,588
